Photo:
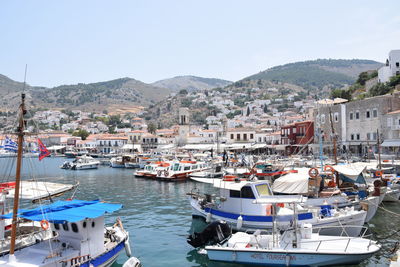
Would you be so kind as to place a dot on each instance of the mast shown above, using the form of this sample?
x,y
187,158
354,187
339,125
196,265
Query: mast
x,y
379,149
20,133
333,137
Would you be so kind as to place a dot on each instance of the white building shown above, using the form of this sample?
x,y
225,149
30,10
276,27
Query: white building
x,y
391,68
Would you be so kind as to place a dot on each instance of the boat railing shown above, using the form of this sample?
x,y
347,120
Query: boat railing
x,y
344,232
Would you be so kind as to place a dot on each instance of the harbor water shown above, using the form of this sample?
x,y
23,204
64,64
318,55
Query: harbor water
x,y
158,215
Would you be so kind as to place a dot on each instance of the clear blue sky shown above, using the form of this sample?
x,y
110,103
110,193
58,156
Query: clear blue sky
x,y
66,42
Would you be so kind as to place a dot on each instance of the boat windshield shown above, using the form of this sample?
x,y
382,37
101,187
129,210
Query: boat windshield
x,y
263,190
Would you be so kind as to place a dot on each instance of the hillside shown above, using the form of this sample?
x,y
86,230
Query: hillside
x,y
124,92
316,75
191,83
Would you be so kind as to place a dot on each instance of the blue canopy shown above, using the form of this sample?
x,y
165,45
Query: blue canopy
x,y
67,211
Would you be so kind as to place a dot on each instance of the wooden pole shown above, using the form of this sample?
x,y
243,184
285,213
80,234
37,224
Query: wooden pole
x,y
20,132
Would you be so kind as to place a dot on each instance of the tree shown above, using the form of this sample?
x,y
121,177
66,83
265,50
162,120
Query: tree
x,y
83,134
379,89
362,78
183,92
265,108
151,127
248,111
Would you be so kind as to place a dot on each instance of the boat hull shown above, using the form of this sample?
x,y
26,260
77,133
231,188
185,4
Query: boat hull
x,y
351,223
284,258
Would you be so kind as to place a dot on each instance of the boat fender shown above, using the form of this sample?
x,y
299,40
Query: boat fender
x,y
128,250
159,173
239,222
208,218
268,210
313,172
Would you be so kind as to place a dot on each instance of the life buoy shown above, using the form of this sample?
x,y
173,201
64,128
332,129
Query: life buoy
x,y
159,173
313,172
268,210
230,177
281,205
378,173
166,173
44,224
329,168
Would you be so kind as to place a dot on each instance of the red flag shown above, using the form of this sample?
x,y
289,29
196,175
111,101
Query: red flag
x,y
43,152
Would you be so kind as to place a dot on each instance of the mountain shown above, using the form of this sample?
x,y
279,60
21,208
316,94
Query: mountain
x,y
119,93
191,83
317,74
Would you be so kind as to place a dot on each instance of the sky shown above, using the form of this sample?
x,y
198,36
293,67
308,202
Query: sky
x,y
75,41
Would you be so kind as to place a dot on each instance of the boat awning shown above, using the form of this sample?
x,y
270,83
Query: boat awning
x,y
292,183
67,211
391,143
351,172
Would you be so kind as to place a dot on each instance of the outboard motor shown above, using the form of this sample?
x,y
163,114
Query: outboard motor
x,y
214,233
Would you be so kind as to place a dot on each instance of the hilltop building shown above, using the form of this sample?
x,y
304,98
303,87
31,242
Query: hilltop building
x,y
391,68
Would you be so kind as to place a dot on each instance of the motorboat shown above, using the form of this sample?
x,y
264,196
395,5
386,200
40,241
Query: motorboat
x,y
85,163
120,161
152,170
181,170
293,247
216,172
244,205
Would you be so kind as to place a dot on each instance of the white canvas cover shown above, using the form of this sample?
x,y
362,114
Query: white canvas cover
x,y
351,171
292,183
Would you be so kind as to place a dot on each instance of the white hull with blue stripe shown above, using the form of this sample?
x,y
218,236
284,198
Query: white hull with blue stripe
x,y
238,206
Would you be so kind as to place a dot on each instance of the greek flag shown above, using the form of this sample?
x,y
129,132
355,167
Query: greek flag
x,y
10,145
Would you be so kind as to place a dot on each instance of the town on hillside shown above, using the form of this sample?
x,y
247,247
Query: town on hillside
x,y
287,125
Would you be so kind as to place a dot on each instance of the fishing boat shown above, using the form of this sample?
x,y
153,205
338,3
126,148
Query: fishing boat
x,y
85,163
151,170
297,246
238,204
216,172
80,238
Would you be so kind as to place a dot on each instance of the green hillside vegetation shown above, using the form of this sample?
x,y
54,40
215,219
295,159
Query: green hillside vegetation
x,y
358,90
316,74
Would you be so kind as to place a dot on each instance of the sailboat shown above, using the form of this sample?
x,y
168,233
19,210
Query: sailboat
x,y
79,235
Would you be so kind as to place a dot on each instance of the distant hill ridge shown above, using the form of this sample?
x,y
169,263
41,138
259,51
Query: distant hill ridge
x,y
191,83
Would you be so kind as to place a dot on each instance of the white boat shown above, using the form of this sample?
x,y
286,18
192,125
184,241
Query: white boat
x,y
297,247
85,163
73,222
216,172
244,205
180,170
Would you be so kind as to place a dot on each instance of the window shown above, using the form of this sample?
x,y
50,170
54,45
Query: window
x,y
65,226
57,226
263,190
246,192
358,136
84,224
186,168
351,115
336,117
93,224
357,115
368,136
367,114
397,64
244,136
375,113
352,137
323,118
389,122
234,193
374,136
232,136
238,136
74,227
251,136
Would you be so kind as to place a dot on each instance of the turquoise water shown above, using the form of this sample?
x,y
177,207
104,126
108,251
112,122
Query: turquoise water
x,y
158,215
